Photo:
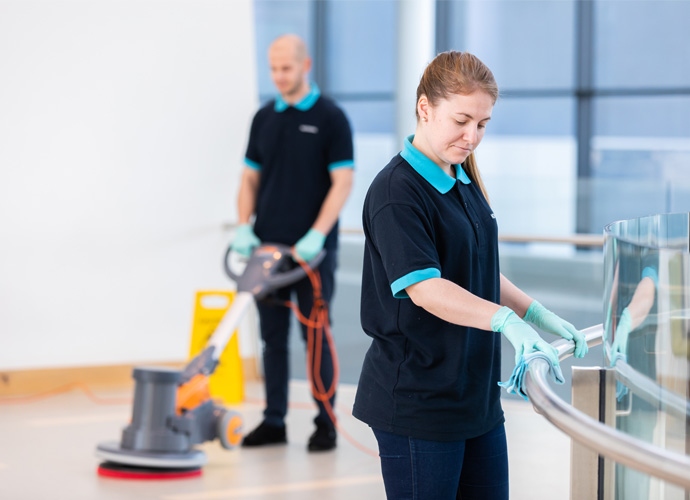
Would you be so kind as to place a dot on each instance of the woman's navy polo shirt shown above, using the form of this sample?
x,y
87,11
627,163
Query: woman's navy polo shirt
x,y
422,376
296,148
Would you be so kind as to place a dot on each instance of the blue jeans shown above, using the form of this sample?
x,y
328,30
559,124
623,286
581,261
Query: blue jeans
x,y
415,469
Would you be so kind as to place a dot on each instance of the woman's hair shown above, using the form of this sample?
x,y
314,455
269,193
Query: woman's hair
x,y
462,73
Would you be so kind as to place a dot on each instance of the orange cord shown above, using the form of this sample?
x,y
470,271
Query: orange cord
x,y
318,326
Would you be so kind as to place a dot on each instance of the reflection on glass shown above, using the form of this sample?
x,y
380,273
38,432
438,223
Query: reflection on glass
x,y
646,304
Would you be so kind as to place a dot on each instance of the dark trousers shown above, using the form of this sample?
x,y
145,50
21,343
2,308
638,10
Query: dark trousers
x,y
275,325
416,469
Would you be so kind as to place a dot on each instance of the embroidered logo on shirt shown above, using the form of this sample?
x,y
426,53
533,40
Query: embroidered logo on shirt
x,y
309,129
493,216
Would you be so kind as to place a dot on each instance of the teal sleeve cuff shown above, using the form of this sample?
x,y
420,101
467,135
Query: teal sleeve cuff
x,y
341,164
650,272
399,285
252,164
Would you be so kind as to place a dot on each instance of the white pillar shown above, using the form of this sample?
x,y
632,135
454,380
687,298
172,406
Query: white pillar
x,y
416,48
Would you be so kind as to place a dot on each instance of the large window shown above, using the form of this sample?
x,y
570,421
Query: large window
x,y
593,124
640,111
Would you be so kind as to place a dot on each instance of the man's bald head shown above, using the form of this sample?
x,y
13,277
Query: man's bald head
x,y
290,44
290,63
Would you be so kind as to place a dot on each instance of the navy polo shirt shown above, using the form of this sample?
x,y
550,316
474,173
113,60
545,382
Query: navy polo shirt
x,y
422,376
296,148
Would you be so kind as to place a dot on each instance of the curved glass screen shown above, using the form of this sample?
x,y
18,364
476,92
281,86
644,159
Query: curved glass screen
x,y
646,323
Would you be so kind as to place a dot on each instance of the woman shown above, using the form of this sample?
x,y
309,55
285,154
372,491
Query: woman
x,y
432,294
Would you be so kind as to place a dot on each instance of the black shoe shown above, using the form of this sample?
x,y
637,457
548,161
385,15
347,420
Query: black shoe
x,y
323,439
265,434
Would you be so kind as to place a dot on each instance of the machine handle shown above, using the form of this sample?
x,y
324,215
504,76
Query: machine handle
x,y
292,276
228,269
274,280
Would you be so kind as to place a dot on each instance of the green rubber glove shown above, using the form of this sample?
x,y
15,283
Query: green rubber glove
x,y
245,240
309,245
619,347
523,337
542,318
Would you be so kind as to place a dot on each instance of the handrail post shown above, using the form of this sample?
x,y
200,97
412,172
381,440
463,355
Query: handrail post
x,y
592,392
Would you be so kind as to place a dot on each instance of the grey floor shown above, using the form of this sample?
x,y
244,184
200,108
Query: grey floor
x,y
47,452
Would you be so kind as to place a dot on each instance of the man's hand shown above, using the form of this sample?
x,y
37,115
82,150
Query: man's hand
x,y
310,245
245,240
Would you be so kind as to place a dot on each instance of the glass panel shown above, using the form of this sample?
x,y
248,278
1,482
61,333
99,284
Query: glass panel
x,y
641,43
273,18
527,44
361,41
647,316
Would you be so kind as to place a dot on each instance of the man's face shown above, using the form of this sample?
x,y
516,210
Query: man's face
x,y
287,69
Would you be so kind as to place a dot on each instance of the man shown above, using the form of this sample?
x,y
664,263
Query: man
x,y
298,175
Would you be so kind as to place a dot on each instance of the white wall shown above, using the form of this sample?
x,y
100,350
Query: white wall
x,y
123,126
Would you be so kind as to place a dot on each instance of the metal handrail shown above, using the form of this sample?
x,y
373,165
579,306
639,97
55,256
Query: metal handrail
x,y
604,440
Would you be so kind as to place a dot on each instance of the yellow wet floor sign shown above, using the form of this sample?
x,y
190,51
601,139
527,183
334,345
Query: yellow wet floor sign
x,y
226,382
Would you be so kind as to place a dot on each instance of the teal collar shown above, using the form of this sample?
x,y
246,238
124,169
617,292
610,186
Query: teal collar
x,y
305,104
431,172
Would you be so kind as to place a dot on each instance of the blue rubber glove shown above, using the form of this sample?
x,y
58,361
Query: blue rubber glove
x,y
309,245
245,240
542,318
523,337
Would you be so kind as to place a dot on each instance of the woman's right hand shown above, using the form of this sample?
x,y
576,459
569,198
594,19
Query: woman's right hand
x,y
523,337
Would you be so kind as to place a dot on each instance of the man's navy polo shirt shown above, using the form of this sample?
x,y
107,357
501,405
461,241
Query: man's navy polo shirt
x,y
296,148
422,376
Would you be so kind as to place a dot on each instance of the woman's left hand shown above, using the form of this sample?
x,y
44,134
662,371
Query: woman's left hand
x,y
542,318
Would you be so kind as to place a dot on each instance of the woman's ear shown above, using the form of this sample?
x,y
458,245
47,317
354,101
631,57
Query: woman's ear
x,y
423,108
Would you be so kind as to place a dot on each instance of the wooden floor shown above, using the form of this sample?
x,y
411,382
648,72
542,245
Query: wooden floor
x,y
47,452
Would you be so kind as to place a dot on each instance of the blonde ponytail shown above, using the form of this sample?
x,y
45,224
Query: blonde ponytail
x,y
472,170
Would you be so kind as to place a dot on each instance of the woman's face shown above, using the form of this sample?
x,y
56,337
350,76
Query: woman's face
x,y
455,126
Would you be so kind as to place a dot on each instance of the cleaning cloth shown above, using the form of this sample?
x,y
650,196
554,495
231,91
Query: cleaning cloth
x,y
515,383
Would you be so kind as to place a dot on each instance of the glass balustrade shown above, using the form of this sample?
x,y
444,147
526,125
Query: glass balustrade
x,y
646,323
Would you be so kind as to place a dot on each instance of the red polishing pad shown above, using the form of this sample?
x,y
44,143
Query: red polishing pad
x,y
111,469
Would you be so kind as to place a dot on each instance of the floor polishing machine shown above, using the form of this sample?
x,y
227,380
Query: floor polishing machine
x,y
173,410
